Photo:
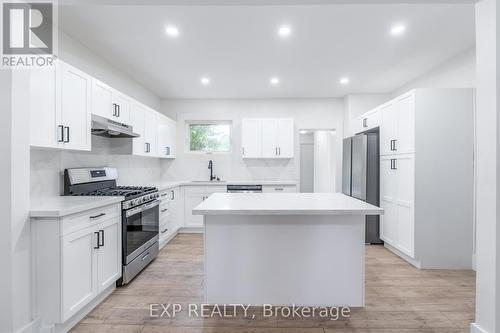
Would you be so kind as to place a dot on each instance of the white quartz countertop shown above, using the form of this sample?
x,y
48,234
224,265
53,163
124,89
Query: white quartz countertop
x,y
67,205
284,204
167,185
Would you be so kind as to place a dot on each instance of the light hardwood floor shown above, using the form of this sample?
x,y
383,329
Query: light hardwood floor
x,y
399,298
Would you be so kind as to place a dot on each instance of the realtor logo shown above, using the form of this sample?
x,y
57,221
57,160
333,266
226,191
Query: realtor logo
x,y
27,34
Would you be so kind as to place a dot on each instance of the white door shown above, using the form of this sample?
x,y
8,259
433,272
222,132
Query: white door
x,y
192,199
388,195
388,129
77,271
251,138
285,138
108,254
137,120
76,108
150,132
45,112
404,165
123,105
269,138
406,124
102,100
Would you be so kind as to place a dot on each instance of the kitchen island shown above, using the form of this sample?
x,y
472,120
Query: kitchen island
x,y
283,249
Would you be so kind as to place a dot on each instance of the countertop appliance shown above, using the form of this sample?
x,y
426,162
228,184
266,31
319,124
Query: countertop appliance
x,y
140,214
244,188
361,176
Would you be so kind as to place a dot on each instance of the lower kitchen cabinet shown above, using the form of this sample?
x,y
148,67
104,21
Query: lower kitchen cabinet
x,y
76,258
194,195
171,214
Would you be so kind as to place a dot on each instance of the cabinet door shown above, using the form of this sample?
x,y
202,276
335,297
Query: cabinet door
x,y
285,138
76,108
45,115
137,120
78,267
388,129
388,195
163,137
176,209
171,137
102,100
150,132
404,165
123,105
251,138
109,253
406,124
269,138
193,197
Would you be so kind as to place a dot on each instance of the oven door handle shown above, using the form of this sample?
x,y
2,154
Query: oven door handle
x,y
142,208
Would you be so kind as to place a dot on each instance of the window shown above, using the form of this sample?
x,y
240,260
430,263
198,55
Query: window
x,y
209,136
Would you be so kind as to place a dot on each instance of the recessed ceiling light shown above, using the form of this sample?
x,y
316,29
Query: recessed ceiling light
x,y
344,80
274,81
172,31
398,30
284,31
205,81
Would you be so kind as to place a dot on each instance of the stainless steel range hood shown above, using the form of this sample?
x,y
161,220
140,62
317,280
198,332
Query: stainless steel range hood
x,y
111,129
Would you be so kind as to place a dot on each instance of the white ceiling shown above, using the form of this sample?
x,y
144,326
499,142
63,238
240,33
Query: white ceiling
x,y
238,46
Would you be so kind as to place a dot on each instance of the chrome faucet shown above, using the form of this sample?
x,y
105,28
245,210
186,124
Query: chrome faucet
x,y
211,167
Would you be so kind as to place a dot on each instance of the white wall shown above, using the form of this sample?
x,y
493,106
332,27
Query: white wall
x,y
457,72
308,114
487,202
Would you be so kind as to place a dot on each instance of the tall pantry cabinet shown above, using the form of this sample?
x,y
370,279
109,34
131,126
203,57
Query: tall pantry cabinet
x,y
426,177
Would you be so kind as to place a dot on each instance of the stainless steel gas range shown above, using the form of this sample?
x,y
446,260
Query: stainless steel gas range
x,y
140,214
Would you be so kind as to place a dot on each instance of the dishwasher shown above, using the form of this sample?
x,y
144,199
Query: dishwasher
x,y
244,188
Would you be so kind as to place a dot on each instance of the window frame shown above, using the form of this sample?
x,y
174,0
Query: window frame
x,y
187,144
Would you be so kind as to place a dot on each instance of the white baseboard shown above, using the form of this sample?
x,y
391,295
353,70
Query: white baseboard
x,y
474,328
191,230
410,260
32,327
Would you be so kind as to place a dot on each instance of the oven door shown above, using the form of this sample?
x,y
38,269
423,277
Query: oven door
x,y
140,229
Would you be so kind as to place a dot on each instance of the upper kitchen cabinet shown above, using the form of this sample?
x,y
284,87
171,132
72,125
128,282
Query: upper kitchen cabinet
x,y
60,104
166,137
150,132
109,103
398,125
268,138
367,121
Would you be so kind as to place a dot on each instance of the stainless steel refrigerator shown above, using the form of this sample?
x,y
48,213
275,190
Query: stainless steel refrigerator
x,y
361,176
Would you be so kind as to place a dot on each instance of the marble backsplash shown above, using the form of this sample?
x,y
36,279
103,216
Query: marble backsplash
x,y
47,167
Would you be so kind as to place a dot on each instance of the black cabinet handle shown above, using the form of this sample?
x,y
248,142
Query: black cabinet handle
x,y
172,197
365,122
243,150
393,145
393,164
97,238
101,238
164,210
279,151
66,140
276,151
114,109
60,134
164,231
118,110
97,216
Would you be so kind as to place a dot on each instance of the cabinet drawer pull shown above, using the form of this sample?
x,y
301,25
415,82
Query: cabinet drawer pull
x,y
172,196
164,210
60,135
278,188
243,150
393,164
114,109
101,238
163,195
97,216
276,151
66,139
97,240
164,231
279,151
365,122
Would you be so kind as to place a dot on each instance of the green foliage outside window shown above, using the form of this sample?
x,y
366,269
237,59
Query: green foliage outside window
x,y
210,137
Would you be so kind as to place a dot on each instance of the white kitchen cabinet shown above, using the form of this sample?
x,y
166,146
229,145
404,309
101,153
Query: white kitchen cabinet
x,y
274,136
367,121
194,195
45,115
109,103
76,259
251,138
398,126
60,108
397,199
426,177
78,268
166,137
137,120
279,188
75,108
150,132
